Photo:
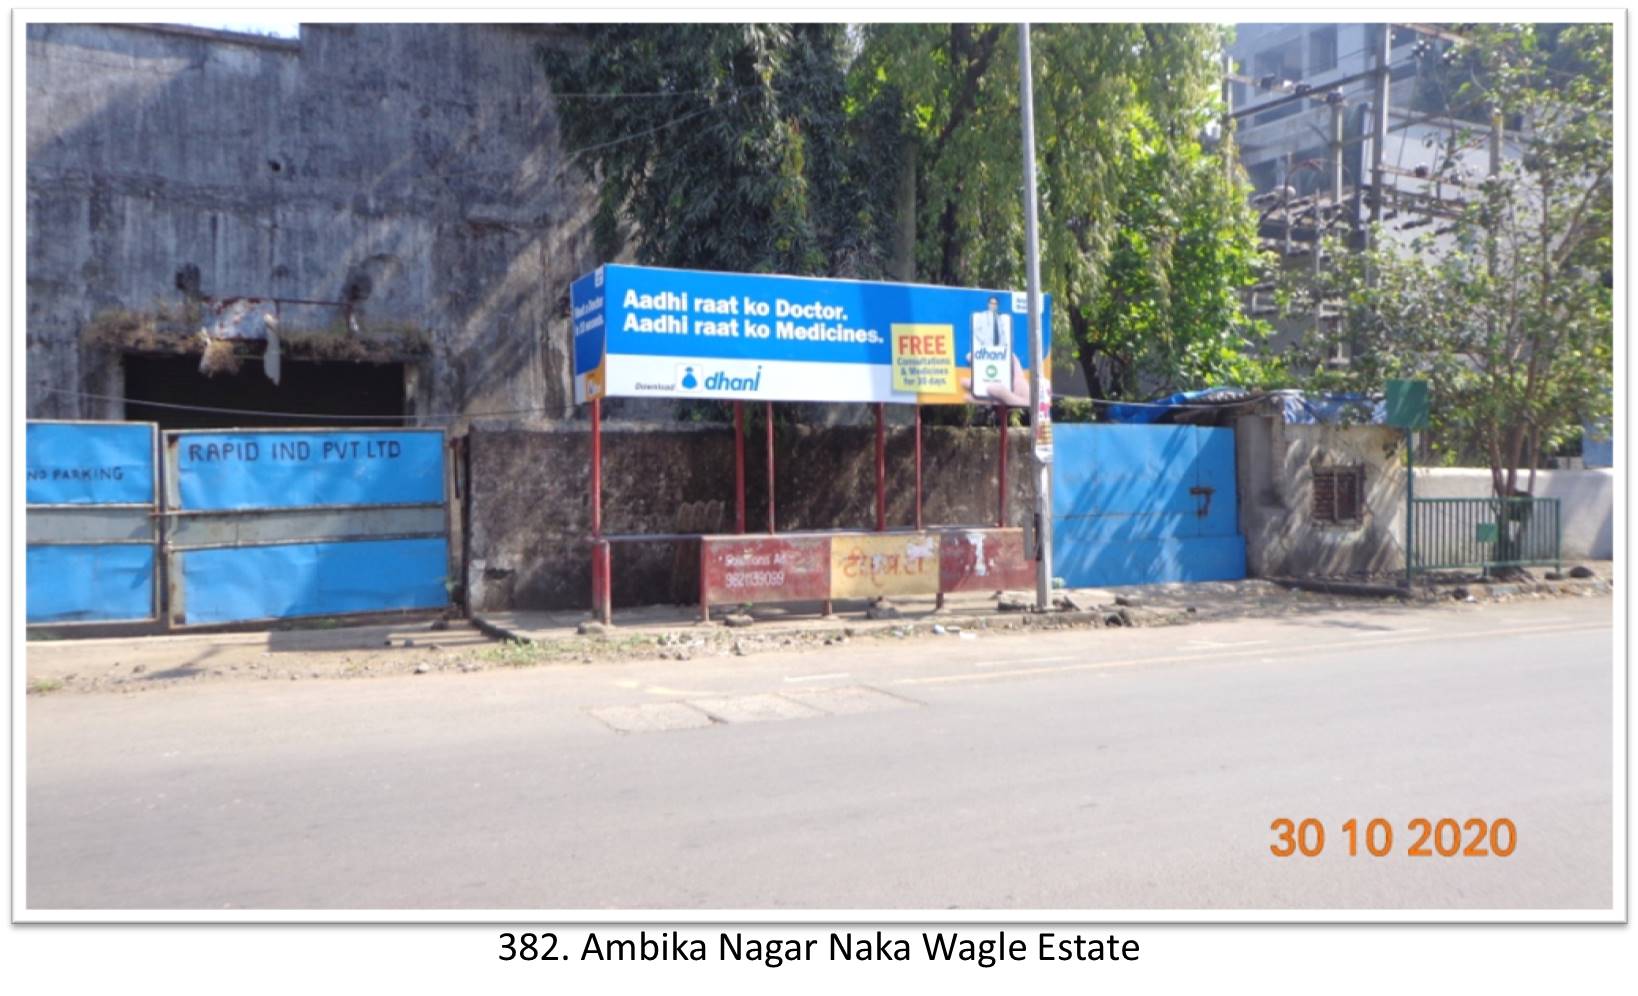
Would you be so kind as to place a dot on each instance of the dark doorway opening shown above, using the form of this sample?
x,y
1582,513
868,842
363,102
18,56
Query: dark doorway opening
x,y
309,394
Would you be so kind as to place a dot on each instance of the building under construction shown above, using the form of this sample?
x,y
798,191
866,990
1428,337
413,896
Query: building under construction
x,y
1340,126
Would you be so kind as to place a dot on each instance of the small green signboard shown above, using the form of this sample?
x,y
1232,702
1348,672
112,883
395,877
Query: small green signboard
x,y
1485,532
1408,404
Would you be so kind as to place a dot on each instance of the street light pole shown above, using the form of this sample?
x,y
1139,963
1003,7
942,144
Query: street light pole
x,y
1040,419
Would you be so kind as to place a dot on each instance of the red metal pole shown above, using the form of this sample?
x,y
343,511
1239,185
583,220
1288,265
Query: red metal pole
x,y
607,573
939,603
771,520
597,469
705,590
918,466
1001,507
739,467
600,560
881,467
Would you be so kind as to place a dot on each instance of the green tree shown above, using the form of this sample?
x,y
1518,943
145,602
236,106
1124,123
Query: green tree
x,y
1508,312
719,146
781,148
1147,238
1168,310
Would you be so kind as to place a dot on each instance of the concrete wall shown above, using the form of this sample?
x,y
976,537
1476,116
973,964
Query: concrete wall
x,y
1586,509
1275,468
420,160
530,512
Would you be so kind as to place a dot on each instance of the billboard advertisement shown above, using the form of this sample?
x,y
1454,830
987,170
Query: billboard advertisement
x,y
647,332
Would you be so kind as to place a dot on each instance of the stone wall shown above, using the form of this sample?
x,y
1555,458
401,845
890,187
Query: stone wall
x,y
1275,469
530,508
416,167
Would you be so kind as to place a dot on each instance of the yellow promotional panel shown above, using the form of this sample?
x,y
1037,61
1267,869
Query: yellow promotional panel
x,y
894,564
924,359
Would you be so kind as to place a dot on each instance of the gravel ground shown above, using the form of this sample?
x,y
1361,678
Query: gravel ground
x,y
330,650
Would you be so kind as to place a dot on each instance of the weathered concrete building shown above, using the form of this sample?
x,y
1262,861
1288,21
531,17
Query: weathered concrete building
x,y
1319,497
394,196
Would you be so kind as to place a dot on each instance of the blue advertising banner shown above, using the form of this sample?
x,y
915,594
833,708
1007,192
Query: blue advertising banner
x,y
308,579
234,470
90,463
651,332
72,584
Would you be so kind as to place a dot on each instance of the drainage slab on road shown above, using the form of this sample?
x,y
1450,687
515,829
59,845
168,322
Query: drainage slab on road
x,y
660,717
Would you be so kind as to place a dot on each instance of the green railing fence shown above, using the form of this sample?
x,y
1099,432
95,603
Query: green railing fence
x,y
1484,532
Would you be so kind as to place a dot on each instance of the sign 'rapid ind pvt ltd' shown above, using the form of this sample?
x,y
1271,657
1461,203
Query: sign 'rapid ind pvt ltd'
x,y
649,332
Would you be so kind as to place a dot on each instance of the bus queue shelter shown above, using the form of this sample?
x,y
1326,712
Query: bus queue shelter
x,y
648,332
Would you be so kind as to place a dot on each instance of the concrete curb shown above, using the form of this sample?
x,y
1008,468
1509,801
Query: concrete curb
x,y
917,625
1358,589
494,632
1437,593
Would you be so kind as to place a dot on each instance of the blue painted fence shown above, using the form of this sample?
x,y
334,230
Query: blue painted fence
x,y
313,579
241,525
248,470
278,524
1140,504
90,521
91,463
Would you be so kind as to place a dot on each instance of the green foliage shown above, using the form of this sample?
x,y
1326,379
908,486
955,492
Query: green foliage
x,y
781,148
1509,314
1074,410
721,146
1167,313
515,653
1147,238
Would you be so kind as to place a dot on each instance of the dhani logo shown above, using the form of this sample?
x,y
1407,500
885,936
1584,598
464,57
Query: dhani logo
x,y
691,378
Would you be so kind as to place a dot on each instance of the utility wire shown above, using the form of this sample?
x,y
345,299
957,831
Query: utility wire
x,y
643,134
638,94
541,410
214,410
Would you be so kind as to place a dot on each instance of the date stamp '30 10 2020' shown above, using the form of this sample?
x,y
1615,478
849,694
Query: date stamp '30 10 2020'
x,y
1423,838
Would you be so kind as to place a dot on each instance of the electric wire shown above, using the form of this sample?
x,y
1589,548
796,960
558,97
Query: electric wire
x,y
504,413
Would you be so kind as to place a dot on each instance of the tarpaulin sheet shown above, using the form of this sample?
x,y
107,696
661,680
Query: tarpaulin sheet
x,y
1295,407
310,579
68,584
81,463
237,470
1331,409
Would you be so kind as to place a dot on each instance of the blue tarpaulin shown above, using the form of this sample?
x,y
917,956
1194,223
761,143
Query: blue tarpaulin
x,y
1161,409
90,463
90,500
1296,407
1331,409
274,469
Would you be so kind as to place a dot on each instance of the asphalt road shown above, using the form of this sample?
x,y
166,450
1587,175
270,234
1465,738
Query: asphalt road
x,y
1111,770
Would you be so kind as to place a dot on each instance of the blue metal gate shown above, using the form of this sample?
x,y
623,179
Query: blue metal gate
x,y
274,524
91,490
1138,504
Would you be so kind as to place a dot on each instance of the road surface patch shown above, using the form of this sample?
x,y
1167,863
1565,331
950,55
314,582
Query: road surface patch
x,y
849,700
753,708
653,718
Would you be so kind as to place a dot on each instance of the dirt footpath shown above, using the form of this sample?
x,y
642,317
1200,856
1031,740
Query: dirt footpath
x,y
325,650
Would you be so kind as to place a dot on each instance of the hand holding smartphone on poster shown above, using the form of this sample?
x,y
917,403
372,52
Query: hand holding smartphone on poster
x,y
996,373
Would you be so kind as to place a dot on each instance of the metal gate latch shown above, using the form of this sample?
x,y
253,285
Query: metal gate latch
x,y
1204,493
